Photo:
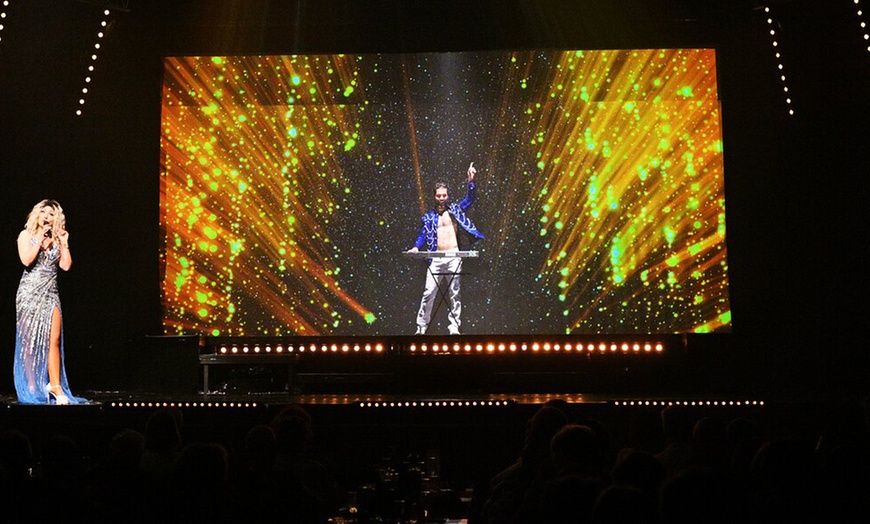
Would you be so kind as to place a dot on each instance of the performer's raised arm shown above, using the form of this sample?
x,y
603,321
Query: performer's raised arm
x,y
470,192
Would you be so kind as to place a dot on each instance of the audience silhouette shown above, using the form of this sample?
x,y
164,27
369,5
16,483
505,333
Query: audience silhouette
x,y
706,468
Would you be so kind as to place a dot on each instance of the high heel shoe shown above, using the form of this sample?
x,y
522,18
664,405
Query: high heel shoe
x,y
56,391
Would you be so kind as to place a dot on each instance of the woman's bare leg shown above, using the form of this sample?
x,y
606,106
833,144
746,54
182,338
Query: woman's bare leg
x,y
54,349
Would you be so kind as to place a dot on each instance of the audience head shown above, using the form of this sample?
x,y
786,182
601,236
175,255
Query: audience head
x,y
545,423
16,454
577,448
163,431
260,447
125,450
292,428
641,470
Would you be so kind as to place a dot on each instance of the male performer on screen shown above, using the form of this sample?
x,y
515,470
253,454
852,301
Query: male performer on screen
x,y
440,232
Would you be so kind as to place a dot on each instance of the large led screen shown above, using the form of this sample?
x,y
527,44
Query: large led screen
x,y
290,186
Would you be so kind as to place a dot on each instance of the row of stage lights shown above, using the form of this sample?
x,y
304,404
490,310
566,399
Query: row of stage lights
x,y
689,403
104,27
778,55
437,404
3,17
445,404
620,403
861,23
135,404
446,348
301,348
537,347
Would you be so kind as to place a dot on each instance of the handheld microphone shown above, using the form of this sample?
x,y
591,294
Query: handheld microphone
x,y
47,233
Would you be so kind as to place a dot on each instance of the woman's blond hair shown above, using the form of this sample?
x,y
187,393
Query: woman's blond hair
x,y
59,217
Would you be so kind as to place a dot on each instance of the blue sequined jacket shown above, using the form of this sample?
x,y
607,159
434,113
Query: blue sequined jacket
x,y
428,236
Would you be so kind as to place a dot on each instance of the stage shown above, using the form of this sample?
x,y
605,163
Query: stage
x,y
396,426
230,171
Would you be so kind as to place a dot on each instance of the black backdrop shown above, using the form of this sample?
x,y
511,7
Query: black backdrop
x,y
794,185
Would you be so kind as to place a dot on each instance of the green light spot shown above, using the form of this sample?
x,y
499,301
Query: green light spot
x,y
295,79
349,144
348,91
201,297
725,318
203,312
215,332
210,233
670,234
217,60
370,318
673,261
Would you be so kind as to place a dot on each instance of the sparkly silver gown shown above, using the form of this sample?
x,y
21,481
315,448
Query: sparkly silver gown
x,y
34,303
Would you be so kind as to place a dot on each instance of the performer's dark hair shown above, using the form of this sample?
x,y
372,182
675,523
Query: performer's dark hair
x,y
439,185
